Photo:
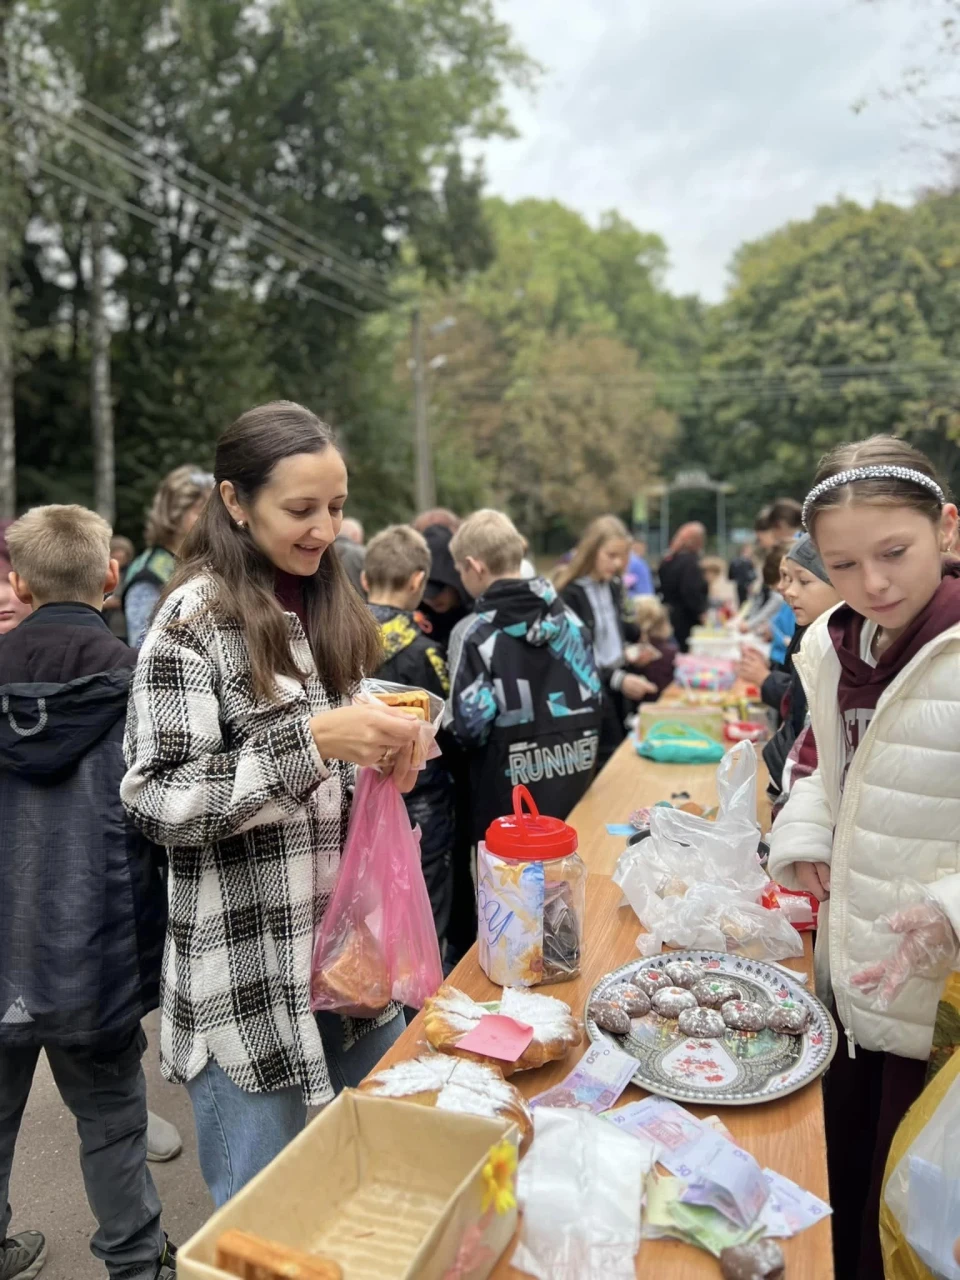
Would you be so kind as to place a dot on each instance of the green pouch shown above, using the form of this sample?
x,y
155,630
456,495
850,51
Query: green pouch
x,y
679,744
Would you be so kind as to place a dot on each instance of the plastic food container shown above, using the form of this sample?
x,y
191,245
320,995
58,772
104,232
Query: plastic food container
x,y
531,887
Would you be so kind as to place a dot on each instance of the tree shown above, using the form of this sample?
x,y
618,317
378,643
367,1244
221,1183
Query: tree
x,y
346,121
835,328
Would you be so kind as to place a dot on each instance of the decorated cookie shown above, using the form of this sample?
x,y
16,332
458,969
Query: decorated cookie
x,y
684,973
762,1260
705,1024
713,993
650,980
744,1015
788,1018
631,999
670,1002
610,1016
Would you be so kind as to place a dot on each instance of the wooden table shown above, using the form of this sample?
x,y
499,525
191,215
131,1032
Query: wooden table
x,y
787,1136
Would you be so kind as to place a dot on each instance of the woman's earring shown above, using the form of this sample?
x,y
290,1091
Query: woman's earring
x,y
240,524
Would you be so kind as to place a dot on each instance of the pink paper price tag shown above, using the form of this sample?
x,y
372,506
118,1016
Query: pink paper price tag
x,y
496,1036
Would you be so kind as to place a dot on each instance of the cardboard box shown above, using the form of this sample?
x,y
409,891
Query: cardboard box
x,y
388,1189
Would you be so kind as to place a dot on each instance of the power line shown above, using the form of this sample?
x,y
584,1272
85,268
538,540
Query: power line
x,y
136,211
143,167
235,193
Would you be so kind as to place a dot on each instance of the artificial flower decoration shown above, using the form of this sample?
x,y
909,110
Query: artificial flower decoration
x,y
499,1178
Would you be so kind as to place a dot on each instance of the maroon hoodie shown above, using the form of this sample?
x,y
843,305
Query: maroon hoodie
x,y
862,685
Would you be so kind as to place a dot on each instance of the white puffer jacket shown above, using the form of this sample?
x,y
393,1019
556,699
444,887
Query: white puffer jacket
x,y
898,817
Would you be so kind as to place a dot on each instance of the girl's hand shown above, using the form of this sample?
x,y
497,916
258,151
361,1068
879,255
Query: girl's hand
x,y
637,687
814,877
928,944
753,669
365,734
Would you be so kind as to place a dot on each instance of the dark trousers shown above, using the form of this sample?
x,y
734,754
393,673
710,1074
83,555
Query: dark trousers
x,y
865,1098
107,1094
613,730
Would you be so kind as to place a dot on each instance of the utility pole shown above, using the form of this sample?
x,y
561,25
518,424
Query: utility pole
x,y
424,487
101,403
9,226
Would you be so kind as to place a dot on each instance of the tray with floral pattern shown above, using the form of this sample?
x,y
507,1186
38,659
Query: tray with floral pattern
x,y
739,1068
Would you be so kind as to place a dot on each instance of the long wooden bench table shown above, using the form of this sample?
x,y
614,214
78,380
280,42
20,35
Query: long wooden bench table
x,y
787,1135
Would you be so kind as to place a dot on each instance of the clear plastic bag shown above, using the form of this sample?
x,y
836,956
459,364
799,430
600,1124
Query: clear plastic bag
x,y
382,690
377,940
696,883
923,1189
580,1188
684,849
922,945
717,918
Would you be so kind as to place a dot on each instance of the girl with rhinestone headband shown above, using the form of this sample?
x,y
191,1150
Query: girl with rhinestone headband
x,y
873,833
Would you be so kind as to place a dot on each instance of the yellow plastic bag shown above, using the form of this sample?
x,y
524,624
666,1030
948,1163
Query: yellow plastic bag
x,y
900,1262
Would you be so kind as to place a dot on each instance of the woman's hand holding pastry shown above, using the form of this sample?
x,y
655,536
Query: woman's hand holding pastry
x,y
366,733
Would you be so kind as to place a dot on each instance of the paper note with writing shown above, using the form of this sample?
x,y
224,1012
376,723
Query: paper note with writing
x,y
496,1036
594,1084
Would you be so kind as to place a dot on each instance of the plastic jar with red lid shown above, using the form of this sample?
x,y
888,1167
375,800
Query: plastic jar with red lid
x,y
531,888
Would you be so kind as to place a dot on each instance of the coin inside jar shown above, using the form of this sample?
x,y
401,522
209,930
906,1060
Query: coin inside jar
x,y
712,993
632,999
705,1024
684,973
744,1015
609,1017
670,1002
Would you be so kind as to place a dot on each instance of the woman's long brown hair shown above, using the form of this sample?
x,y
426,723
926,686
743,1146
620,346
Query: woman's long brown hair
x,y
584,560
342,632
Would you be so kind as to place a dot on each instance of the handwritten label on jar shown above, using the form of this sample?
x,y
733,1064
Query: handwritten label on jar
x,y
510,902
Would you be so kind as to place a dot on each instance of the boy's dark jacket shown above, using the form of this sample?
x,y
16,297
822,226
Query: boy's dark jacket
x,y
414,659
525,700
82,898
782,689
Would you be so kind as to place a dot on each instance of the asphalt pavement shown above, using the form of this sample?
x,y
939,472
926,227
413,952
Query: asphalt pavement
x,y
47,1190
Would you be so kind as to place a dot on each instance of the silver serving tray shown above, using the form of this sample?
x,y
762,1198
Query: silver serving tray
x,y
737,1069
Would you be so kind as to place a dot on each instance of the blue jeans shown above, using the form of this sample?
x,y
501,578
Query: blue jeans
x,y
239,1133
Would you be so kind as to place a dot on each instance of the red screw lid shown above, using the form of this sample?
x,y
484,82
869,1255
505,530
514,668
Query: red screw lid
x,y
528,837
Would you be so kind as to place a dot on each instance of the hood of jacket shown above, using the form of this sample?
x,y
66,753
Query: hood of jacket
x,y
528,609
46,729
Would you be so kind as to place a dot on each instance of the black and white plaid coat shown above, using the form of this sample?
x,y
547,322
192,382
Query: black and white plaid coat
x,y
253,821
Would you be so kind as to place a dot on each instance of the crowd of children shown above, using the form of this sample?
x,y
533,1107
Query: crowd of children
x,y
241,740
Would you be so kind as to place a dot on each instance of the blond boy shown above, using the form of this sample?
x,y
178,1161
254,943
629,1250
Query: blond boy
x,y
82,903
525,696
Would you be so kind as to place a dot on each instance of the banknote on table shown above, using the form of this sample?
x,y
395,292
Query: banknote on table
x,y
723,1176
718,1172
594,1084
790,1206
667,1217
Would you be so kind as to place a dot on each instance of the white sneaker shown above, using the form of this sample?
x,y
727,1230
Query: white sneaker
x,y
163,1140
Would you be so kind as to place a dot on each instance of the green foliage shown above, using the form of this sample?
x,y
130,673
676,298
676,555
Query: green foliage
x,y
346,119
834,329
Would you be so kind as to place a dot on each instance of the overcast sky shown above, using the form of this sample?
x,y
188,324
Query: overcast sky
x,y
710,121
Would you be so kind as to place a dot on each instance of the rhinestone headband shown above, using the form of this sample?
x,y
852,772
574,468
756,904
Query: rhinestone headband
x,y
870,473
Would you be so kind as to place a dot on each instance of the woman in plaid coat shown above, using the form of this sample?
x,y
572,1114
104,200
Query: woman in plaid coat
x,y
241,746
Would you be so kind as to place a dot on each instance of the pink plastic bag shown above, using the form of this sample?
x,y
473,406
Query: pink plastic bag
x,y
377,940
